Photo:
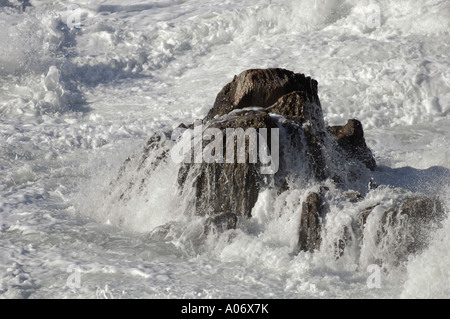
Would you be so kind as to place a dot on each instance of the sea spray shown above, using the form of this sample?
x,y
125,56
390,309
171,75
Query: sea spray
x,y
135,69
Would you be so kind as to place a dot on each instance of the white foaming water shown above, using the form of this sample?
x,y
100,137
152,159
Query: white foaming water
x,y
83,87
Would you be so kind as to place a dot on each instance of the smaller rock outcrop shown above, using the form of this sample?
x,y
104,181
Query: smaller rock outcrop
x,y
350,138
313,211
405,227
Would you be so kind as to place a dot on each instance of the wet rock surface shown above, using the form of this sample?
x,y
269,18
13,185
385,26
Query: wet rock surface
x,y
261,87
408,222
350,138
226,189
234,188
313,212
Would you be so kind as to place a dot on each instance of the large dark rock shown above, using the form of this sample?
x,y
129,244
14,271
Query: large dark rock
x,y
225,191
224,188
287,101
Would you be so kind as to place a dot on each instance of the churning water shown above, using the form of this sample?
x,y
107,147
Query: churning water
x,y
83,86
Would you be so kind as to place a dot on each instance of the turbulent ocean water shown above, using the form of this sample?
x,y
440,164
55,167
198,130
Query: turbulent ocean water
x,y
84,84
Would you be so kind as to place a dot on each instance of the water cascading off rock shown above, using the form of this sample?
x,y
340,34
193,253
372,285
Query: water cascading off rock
x,y
225,191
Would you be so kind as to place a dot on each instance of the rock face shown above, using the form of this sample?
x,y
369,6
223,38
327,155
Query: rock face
x,y
230,188
285,106
313,212
261,87
408,222
351,138
285,101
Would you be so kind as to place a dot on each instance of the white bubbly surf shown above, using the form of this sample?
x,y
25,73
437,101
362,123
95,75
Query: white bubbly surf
x,y
84,85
